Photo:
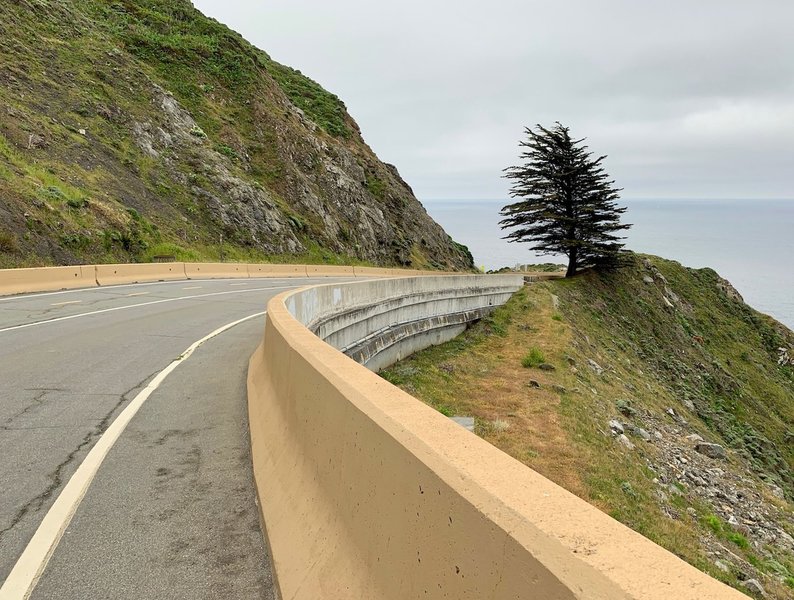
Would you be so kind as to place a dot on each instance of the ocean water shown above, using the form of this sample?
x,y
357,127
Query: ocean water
x,y
749,242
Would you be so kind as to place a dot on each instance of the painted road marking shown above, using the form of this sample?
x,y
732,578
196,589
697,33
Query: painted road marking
x,y
115,308
137,294
239,283
68,302
31,563
192,287
13,297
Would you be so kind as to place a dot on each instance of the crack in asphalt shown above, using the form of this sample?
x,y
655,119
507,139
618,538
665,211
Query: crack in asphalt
x,y
56,477
36,401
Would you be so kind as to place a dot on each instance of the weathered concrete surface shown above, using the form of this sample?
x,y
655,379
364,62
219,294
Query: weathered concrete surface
x,y
368,493
379,322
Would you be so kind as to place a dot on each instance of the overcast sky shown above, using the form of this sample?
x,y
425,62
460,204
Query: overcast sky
x,y
689,98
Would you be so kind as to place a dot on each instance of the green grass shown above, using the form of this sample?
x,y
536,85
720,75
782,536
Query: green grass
x,y
323,107
533,358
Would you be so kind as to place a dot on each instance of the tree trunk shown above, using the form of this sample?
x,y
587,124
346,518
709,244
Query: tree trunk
x,y
572,263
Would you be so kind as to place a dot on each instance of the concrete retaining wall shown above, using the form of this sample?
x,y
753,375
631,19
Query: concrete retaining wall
x,y
379,322
368,493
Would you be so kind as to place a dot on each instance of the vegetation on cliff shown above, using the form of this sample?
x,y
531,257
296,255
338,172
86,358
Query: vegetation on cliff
x,y
654,393
137,128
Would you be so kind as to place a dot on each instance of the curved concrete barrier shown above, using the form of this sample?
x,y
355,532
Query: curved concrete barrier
x,y
379,322
329,271
42,279
270,270
373,272
45,279
215,270
139,273
368,493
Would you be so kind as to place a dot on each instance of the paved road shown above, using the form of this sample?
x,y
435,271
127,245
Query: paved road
x,y
171,512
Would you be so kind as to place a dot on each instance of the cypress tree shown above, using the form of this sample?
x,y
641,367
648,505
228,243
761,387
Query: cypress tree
x,y
566,201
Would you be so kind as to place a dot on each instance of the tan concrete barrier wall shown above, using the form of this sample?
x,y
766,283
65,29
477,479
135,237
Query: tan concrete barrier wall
x,y
374,272
215,270
368,493
139,272
268,270
42,279
329,271
45,279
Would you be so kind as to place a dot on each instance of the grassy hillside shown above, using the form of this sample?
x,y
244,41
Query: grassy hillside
x,y
611,384
137,128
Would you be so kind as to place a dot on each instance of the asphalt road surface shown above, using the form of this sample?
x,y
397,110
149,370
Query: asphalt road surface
x,y
171,511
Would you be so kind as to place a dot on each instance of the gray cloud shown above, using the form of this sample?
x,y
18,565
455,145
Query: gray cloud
x,y
688,99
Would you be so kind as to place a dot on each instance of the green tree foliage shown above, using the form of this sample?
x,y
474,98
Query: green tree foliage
x,y
566,201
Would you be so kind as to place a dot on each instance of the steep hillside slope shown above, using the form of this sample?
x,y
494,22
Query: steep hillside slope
x,y
654,393
137,128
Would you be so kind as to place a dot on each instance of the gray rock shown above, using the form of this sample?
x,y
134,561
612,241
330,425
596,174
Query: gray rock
x,y
672,295
533,384
647,279
754,587
546,367
641,433
722,566
616,426
690,406
595,366
694,437
710,450
559,389
625,441
726,288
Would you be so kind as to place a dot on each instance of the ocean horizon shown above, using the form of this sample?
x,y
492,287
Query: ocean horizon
x,y
748,242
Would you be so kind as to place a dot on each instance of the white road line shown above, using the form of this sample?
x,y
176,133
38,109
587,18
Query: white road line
x,y
136,294
239,283
192,287
115,308
67,302
26,572
124,285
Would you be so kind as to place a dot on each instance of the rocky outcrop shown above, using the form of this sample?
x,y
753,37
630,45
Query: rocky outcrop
x,y
152,126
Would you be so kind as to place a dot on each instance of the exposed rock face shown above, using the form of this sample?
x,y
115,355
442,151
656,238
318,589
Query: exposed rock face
x,y
727,288
710,450
157,140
